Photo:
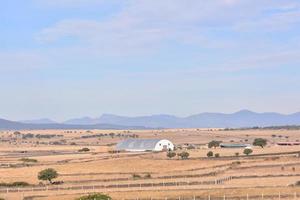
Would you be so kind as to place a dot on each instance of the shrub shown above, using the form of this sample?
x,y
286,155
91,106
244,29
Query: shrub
x,y
147,175
214,144
97,196
85,149
48,175
297,183
191,147
217,155
248,151
136,176
236,153
260,142
28,160
171,154
210,154
184,155
15,184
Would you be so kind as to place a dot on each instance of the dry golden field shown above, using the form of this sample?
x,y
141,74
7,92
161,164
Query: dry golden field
x,y
268,173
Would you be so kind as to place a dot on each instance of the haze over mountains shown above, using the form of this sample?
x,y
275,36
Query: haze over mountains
x,y
243,118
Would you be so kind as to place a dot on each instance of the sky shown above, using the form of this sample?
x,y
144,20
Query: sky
x,y
62,59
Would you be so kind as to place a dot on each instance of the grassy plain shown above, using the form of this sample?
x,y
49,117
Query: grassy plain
x,y
267,171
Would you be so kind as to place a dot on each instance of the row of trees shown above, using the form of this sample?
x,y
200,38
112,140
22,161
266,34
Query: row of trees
x,y
183,155
246,152
261,142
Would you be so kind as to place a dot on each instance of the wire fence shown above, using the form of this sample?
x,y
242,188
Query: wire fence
x,y
111,186
279,196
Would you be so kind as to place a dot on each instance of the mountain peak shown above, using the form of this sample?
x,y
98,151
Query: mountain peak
x,y
245,111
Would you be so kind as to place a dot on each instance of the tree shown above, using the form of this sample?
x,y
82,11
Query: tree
x,y
236,153
48,175
260,142
171,154
248,151
214,144
210,154
217,155
184,155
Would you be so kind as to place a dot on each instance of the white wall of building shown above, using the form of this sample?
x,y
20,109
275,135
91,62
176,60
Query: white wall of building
x,y
164,145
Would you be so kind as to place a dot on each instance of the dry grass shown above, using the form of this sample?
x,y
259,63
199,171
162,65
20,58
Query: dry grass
x,y
98,164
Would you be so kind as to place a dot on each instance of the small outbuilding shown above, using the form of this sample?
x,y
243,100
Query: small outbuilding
x,y
222,145
145,145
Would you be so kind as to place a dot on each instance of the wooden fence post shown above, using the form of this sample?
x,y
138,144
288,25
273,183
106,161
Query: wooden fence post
x,y
279,196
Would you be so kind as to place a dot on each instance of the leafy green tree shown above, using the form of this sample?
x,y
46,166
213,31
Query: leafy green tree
x,y
214,144
48,175
217,155
248,151
210,154
260,142
171,154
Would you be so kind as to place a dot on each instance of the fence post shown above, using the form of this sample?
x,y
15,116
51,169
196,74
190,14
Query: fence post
x,y
224,197
279,197
209,197
247,196
295,195
262,195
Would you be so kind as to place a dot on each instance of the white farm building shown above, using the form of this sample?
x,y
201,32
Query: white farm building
x,y
145,145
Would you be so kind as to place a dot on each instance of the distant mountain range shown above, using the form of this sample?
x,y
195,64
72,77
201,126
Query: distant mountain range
x,y
243,118
12,125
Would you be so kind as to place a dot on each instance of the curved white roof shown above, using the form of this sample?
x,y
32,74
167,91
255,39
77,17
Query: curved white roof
x,y
137,144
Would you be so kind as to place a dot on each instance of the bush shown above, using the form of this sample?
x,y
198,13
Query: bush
x,y
85,149
210,154
15,184
147,176
214,144
248,151
260,142
191,147
184,155
171,154
97,196
136,176
28,160
48,175
217,155
236,153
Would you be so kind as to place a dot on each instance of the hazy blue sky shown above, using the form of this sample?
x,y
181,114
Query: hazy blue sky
x,y
71,58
